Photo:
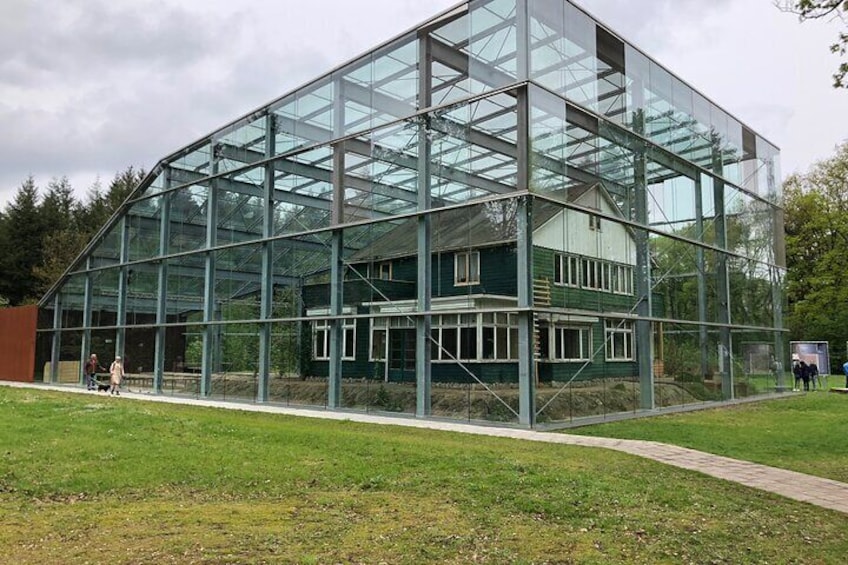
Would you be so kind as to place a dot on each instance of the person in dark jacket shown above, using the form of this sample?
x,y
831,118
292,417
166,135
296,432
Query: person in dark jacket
x,y
798,372
815,381
91,368
805,375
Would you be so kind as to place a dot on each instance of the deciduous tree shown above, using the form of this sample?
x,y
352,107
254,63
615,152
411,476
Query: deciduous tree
x,y
824,9
816,206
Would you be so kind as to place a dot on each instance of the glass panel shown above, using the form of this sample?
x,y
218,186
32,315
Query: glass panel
x,y
197,161
238,276
381,87
473,150
305,118
492,45
240,210
108,248
242,145
186,276
143,223
235,376
104,297
686,365
142,293
72,300
188,219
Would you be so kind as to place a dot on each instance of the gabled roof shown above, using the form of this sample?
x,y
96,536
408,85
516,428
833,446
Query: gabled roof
x,y
481,225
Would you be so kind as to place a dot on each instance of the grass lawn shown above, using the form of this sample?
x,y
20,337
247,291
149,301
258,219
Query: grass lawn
x,y
92,479
806,433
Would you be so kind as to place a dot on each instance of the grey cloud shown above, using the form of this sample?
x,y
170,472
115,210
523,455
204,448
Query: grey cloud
x,y
83,40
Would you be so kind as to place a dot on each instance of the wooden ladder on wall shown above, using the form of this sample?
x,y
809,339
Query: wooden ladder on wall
x,y
542,299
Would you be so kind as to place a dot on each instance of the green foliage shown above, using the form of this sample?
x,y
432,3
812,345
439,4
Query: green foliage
x,y
40,237
21,233
816,207
824,9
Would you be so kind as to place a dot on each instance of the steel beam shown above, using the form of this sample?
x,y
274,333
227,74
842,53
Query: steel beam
x,y
267,277
425,260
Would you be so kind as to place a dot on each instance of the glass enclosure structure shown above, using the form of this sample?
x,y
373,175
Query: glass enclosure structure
x,y
508,213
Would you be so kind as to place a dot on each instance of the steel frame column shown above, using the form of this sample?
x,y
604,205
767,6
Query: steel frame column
x,y
85,350
779,351
524,269
267,281
644,310
722,282
779,246
522,40
210,332
123,283
703,341
162,299
423,361
334,377
56,345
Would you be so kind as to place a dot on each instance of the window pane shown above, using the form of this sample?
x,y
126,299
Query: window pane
x,y
468,343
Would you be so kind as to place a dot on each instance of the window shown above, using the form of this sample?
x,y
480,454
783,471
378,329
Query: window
x,y
572,344
497,335
384,271
619,340
566,270
573,278
606,277
594,222
379,328
321,340
622,279
467,268
468,336
590,274
444,333
559,268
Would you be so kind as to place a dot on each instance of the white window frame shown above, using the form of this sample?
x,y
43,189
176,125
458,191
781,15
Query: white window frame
x,y
384,271
348,329
379,325
589,273
502,325
623,280
618,332
594,222
573,271
557,334
470,272
566,270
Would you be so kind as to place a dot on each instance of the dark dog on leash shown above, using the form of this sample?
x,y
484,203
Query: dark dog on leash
x,y
103,386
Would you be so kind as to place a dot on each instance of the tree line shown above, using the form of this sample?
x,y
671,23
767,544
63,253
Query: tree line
x,y
43,231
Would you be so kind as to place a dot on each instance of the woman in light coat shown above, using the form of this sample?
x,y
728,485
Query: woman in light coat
x,y
116,373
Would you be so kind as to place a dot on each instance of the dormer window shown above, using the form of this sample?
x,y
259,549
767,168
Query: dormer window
x,y
594,222
384,271
467,268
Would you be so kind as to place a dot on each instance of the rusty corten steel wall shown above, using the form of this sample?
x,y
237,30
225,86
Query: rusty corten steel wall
x,y
17,343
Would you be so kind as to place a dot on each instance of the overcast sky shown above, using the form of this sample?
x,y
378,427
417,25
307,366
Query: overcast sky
x,y
89,87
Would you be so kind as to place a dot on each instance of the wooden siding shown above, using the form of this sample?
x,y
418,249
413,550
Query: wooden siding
x,y
17,343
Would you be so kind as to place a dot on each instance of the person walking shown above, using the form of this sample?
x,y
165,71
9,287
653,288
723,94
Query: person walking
x,y
116,373
845,370
798,371
815,378
805,375
91,368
